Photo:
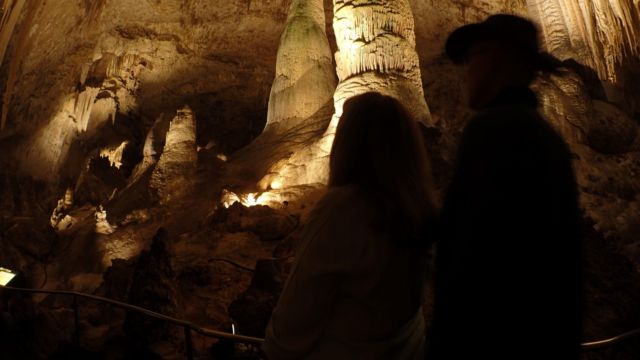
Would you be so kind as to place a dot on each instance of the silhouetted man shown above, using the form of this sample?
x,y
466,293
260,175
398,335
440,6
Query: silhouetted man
x,y
508,268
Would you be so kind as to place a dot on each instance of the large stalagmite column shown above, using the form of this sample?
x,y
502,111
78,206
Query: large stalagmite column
x,y
376,52
178,162
305,79
376,42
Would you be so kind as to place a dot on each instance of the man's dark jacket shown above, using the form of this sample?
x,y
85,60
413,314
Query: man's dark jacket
x,y
508,266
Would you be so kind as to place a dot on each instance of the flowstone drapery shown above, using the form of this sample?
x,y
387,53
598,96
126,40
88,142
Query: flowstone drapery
x,y
376,52
603,35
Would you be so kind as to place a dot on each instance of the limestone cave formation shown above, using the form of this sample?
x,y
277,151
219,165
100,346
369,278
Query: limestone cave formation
x,y
165,153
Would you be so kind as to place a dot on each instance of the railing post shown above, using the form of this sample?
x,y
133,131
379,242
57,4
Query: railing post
x,y
188,343
75,320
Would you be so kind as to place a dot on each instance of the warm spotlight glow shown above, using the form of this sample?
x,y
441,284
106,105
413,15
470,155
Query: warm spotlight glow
x,y
222,157
251,199
6,276
267,198
229,198
276,185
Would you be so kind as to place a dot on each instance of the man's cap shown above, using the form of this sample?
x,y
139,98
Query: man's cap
x,y
513,31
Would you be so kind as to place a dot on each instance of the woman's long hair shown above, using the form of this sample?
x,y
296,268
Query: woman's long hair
x,y
378,148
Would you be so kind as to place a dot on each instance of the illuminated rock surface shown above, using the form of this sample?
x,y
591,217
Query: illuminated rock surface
x,y
81,78
305,78
603,35
376,52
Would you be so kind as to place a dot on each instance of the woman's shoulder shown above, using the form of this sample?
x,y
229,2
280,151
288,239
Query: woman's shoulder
x,y
341,206
336,226
342,194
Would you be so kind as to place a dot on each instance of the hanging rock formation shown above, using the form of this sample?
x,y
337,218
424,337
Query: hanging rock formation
x,y
604,35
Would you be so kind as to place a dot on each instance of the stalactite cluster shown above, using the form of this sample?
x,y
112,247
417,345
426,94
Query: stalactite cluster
x,y
83,106
599,33
114,154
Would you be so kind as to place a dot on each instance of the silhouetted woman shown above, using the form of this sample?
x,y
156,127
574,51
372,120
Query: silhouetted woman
x,y
355,290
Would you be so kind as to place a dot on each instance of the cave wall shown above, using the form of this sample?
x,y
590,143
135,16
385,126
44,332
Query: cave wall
x,y
129,62
99,83
81,78
93,72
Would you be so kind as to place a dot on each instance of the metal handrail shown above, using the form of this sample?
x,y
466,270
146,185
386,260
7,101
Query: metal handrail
x,y
592,345
188,326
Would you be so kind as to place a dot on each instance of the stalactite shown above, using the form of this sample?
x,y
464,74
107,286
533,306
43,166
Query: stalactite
x,y
601,34
114,154
93,9
83,107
